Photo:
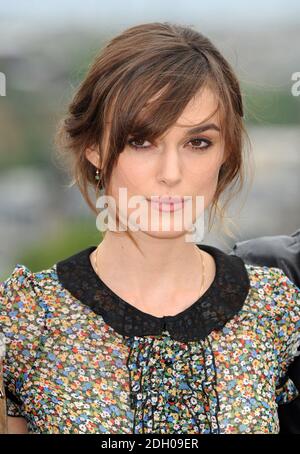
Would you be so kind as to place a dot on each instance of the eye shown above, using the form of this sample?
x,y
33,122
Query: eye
x,y
136,147
136,143
207,143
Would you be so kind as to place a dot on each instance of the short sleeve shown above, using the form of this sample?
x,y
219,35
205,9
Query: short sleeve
x,y
22,318
287,339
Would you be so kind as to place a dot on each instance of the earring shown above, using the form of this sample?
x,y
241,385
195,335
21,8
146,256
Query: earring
x,y
197,234
101,191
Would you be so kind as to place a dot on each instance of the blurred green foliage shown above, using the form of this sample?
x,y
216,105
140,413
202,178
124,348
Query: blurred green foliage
x,y
271,106
70,237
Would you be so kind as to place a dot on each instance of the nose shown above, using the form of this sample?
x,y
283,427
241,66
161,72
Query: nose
x,y
169,167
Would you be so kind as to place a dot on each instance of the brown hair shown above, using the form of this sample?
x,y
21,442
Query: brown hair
x,y
109,104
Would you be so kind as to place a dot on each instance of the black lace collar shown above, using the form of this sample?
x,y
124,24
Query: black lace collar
x,y
221,301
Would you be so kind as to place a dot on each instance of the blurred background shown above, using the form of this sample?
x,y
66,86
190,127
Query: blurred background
x,y
45,49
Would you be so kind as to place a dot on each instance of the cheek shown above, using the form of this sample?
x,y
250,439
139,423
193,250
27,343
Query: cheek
x,y
131,176
129,173
206,180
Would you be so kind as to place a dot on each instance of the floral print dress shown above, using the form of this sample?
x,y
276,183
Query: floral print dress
x,y
80,359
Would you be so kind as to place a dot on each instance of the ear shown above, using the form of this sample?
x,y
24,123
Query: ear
x,y
92,155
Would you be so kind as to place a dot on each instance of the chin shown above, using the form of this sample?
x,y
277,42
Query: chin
x,y
165,235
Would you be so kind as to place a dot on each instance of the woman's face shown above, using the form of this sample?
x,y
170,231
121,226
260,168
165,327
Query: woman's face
x,y
170,167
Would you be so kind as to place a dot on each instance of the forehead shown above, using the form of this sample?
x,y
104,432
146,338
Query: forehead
x,y
202,106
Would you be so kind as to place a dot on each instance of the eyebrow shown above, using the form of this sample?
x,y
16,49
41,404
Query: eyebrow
x,y
202,128
198,129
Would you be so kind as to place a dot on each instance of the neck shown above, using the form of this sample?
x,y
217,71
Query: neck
x,y
161,261
157,256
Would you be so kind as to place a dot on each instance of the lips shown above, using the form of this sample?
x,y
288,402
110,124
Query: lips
x,y
166,199
167,203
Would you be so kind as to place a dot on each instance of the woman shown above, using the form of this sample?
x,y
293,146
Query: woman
x,y
148,332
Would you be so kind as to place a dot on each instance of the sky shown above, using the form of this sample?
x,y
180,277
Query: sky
x,y
119,12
